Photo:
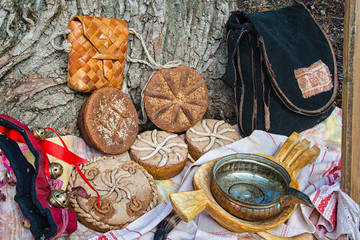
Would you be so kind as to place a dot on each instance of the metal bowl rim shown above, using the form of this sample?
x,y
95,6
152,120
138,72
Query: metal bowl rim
x,y
245,156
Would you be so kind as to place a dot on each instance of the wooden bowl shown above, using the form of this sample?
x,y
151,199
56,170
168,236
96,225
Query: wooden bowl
x,y
293,156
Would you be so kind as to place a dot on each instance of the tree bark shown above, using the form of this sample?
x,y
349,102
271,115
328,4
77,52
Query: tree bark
x,y
33,74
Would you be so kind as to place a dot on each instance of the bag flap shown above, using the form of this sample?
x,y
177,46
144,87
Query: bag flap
x,y
107,35
299,58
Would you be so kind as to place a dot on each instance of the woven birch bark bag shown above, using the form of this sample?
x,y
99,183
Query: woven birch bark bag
x,y
96,49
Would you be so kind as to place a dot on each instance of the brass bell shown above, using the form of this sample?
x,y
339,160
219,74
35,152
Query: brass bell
x,y
56,170
40,133
26,224
59,199
9,175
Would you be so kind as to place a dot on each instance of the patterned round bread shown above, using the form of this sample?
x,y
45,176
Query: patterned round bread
x,y
175,99
161,153
209,134
126,191
108,121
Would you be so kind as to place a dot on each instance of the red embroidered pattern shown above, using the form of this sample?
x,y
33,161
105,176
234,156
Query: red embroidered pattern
x,y
323,204
314,79
102,237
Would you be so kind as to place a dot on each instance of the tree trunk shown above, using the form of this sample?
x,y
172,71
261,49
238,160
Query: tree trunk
x,y
33,74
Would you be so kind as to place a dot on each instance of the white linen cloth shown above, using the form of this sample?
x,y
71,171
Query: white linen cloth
x,y
336,215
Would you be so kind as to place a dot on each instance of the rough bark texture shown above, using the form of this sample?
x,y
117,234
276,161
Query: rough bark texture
x,y
33,74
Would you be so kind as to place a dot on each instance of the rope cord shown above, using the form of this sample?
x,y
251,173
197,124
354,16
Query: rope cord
x,y
66,46
152,64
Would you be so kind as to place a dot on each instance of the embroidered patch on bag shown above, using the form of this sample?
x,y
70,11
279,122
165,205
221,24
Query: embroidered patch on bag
x,y
314,79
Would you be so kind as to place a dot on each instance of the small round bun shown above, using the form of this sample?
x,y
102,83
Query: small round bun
x,y
209,134
161,153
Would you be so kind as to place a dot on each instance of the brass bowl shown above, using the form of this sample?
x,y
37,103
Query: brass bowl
x,y
295,154
253,187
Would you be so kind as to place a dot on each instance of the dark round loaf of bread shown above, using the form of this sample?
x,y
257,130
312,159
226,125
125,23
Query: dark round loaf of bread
x,y
108,121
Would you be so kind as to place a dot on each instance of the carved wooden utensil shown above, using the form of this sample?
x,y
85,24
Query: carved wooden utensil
x,y
293,156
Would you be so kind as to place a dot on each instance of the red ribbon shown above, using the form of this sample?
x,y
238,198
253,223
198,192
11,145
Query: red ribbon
x,y
67,151
50,148
54,150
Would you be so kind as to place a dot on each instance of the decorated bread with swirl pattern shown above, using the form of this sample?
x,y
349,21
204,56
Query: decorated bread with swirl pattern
x,y
127,191
209,134
176,99
161,153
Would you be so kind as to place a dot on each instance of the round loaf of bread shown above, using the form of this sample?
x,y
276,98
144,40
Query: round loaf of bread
x,y
209,134
161,153
176,98
108,121
127,191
